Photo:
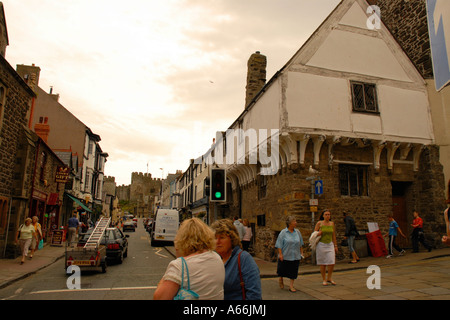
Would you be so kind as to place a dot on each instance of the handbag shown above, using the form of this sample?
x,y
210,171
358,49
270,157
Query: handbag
x,y
41,244
19,231
240,276
185,293
344,243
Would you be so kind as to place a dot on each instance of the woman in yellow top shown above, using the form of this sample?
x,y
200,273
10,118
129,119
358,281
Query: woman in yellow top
x,y
38,230
326,249
27,233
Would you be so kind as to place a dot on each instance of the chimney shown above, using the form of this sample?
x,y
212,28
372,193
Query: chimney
x,y
256,76
42,128
30,74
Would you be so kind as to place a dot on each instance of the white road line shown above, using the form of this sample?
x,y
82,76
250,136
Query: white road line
x,y
93,289
159,254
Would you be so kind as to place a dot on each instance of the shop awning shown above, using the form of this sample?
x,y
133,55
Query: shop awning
x,y
79,203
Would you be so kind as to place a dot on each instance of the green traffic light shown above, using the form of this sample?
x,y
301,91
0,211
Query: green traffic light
x,y
218,195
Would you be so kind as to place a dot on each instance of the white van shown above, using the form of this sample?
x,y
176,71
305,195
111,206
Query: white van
x,y
165,226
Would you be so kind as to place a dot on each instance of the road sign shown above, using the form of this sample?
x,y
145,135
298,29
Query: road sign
x,y
438,12
314,202
318,187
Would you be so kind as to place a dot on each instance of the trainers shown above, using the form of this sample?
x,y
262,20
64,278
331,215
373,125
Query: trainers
x,y
401,253
389,256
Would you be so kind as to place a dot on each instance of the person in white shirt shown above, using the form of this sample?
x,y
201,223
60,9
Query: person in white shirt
x,y
239,226
247,238
195,242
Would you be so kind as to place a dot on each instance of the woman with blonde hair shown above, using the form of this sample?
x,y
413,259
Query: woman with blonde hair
x,y
24,236
195,244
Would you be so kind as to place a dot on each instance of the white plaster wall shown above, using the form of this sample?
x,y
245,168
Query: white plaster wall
x,y
265,114
358,53
317,102
324,103
405,113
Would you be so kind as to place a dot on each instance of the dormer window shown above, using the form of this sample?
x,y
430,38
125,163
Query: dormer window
x,y
364,97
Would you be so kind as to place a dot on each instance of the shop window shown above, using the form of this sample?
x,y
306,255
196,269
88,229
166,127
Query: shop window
x,y
353,180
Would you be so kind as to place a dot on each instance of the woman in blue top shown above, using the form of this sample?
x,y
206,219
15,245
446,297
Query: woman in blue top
x,y
289,244
238,263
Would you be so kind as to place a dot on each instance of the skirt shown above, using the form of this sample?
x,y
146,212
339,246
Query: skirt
x,y
325,254
288,269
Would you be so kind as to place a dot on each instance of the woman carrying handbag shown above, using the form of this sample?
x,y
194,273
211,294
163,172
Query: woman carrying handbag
x,y
198,273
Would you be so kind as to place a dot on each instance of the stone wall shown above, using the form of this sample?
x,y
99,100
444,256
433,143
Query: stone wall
x,y
407,21
13,111
288,193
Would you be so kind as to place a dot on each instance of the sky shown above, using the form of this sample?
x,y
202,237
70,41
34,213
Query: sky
x,y
155,79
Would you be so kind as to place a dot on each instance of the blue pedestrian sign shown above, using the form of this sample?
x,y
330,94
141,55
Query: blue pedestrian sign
x,y
318,186
439,30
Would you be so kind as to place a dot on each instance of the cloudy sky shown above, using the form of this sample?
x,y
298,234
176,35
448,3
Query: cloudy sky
x,y
155,79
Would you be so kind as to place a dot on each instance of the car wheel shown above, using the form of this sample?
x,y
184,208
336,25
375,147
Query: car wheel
x,y
104,266
126,253
120,259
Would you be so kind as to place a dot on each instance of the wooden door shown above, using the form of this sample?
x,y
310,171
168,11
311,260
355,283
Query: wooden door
x,y
399,213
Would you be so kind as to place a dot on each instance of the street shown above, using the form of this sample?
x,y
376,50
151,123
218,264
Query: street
x,y
412,277
136,278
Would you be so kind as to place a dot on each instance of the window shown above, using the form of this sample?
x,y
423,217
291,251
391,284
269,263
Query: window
x,y
3,214
42,166
262,186
87,182
364,97
353,180
261,220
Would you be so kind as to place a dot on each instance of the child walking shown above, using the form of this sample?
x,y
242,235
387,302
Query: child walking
x,y
394,229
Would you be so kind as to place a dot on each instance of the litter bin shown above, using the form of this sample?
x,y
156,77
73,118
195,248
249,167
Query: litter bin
x,y
361,246
376,243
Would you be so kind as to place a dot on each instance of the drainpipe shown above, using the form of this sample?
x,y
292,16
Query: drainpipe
x,y
34,174
7,229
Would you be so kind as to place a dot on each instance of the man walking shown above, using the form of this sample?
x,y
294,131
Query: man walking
x,y
417,234
393,231
72,228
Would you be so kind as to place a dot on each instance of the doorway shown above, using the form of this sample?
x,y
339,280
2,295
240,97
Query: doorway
x,y
400,191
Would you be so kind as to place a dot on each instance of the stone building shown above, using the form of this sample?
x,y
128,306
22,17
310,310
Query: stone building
x,y
140,193
408,23
15,102
38,164
349,109
65,131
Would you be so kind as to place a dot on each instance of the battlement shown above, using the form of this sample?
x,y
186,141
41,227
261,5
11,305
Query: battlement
x,y
142,177
109,179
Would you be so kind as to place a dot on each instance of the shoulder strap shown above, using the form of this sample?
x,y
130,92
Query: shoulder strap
x,y
240,275
183,263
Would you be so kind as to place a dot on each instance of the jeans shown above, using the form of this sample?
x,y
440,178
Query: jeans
x,y
351,243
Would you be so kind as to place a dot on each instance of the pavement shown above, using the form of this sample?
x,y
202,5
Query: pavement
x,y
11,270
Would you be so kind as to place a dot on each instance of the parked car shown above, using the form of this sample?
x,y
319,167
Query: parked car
x,y
128,226
149,225
135,221
116,244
